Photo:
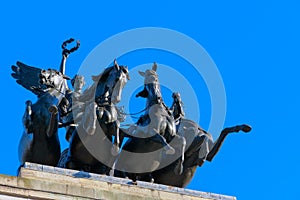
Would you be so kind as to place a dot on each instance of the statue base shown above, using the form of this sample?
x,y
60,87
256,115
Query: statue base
x,y
45,182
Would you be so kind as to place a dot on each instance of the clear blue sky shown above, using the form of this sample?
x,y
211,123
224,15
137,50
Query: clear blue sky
x,y
255,45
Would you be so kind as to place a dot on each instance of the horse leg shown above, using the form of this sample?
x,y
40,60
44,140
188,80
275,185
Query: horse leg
x,y
70,160
154,129
196,145
90,119
99,169
121,135
113,168
70,163
179,166
161,140
19,169
63,158
217,145
27,121
53,125
200,146
203,151
116,146
148,178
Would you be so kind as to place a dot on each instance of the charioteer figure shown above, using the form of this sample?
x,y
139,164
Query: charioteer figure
x,y
177,109
66,105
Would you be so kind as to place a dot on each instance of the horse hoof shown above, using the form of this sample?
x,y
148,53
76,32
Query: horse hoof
x,y
155,165
91,130
179,169
28,103
169,150
115,150
246,128
111,173
199,162
102,170
53,109
71,165
134,182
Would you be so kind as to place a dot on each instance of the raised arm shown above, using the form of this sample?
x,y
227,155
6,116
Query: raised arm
x,y
66,52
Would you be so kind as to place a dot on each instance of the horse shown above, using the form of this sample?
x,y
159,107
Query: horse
x,y
98,123
39,142
150,147
200,148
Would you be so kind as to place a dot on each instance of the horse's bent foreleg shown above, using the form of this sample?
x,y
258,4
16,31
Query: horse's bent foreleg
x,y
217,145
27,121
53,124
161,140
154,129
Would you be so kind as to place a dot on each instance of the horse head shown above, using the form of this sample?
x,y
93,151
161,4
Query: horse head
x,y
122,76
151,86
150,75
111,83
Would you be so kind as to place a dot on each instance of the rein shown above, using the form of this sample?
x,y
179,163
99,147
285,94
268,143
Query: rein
x,y
147,107
64,94
47,90
132,114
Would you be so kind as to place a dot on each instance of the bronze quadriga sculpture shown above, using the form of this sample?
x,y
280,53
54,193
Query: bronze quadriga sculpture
x,y
171,146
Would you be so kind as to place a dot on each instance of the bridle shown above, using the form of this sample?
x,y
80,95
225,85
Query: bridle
x,y
105,100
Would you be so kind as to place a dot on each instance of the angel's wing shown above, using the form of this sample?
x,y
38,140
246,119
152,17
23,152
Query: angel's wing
x,y
28,77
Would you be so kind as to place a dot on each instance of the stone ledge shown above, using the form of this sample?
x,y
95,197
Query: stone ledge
x,y
45,182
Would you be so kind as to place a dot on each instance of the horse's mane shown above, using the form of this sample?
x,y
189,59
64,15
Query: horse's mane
x,y
89,93
102,77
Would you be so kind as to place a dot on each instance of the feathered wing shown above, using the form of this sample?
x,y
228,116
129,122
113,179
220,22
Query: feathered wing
x,y
28,77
